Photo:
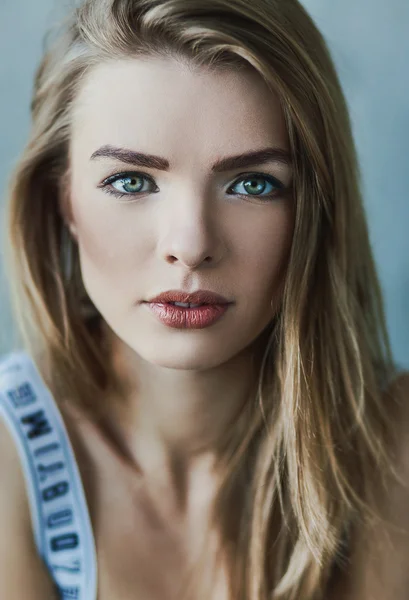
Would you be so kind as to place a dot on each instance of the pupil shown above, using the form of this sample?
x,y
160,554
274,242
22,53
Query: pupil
x,y
252,183
132,182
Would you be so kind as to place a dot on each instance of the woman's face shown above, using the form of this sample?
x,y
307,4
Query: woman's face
x,y
187,227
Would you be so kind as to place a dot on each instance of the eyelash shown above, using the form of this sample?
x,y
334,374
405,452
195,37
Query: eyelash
x,y
243,177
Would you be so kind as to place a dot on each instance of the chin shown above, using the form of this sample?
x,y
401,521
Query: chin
x,y
186,359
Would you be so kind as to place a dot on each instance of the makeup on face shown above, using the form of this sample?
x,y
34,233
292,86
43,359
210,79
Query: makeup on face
x,y
188,190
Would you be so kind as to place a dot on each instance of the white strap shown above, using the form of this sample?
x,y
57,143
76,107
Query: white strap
x,y
61,522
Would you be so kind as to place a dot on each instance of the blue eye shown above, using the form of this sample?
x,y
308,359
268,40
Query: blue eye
x,y
132,184
254,184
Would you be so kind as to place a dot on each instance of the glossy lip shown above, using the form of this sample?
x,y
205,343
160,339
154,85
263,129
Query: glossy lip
x,y
198,297
177,317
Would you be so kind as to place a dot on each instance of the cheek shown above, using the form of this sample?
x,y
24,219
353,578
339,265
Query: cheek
x,y
109,245
269,246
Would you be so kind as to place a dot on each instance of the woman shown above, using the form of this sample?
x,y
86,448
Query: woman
x,y
241,447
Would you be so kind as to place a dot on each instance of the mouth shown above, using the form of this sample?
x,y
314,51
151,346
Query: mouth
x,y
189,299
186,315
187,305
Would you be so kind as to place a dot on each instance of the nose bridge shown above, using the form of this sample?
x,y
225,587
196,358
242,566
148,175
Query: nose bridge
x,y
188,226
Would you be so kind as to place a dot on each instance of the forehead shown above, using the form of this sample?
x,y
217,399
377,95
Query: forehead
x,y
160,102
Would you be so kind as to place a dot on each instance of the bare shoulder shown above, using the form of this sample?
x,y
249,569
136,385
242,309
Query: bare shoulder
x,y
22,572
379,563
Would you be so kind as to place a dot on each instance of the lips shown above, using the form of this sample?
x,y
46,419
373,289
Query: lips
x,y
198,297
177,317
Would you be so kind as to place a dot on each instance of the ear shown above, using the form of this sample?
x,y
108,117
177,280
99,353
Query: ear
x,y
64,203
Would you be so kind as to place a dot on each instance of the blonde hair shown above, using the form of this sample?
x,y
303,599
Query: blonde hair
x,y
299,470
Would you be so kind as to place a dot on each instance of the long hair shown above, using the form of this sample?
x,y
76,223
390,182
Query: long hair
x,y
302,465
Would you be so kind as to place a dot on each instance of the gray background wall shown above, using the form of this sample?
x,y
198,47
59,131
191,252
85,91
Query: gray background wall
x,y
369,40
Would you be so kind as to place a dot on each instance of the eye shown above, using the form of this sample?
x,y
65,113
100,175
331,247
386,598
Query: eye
x,y
127,184
132,184
254,184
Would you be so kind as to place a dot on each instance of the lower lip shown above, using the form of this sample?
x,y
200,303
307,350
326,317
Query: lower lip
x,y
188,318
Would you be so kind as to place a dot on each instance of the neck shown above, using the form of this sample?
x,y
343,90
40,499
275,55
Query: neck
x,y
169,423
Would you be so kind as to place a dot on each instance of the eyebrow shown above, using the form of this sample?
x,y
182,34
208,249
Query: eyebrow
x,y
248,159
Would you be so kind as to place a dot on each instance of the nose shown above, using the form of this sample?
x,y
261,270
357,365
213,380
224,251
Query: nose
x,y
190,233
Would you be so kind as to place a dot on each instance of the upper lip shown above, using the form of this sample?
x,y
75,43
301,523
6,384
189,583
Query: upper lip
x,y
198,297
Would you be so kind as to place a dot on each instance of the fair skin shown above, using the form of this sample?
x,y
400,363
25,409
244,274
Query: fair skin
x,y
183,387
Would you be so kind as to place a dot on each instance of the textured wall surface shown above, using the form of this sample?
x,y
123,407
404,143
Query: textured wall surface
x,y
370,44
